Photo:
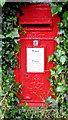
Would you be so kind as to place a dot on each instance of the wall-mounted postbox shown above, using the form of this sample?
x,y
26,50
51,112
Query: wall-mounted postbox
x,y
35,46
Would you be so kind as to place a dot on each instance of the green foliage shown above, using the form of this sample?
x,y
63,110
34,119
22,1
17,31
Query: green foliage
x,y
59,76
2,2
56,8
10,46
59,73
13,33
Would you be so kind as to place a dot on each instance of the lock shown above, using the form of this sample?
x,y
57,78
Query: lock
x,y
35,42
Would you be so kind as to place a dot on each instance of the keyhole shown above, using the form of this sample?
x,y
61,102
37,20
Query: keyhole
x,y
26,75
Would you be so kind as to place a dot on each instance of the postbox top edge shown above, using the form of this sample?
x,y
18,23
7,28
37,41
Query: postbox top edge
x,y
37,5
40,11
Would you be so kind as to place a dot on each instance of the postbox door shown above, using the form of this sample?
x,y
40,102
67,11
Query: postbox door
x,y
35,69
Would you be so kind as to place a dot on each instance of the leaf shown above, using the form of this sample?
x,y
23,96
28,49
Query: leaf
x,y
11,94
49,78
2,36
50,99
66,44
52,71
19,27
65,15
25,103
2,2
59,53
50,58
65,23
13,112
60,83
24,32
58,47
15,18
60,89
55,9
16,40
13,33
58,39
63,59
0,19
61,31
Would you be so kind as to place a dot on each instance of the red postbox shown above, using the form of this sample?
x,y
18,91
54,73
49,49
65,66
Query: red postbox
x,y
35,46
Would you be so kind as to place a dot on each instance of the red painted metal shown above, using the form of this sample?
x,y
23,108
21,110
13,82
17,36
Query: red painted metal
x,y
39,24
